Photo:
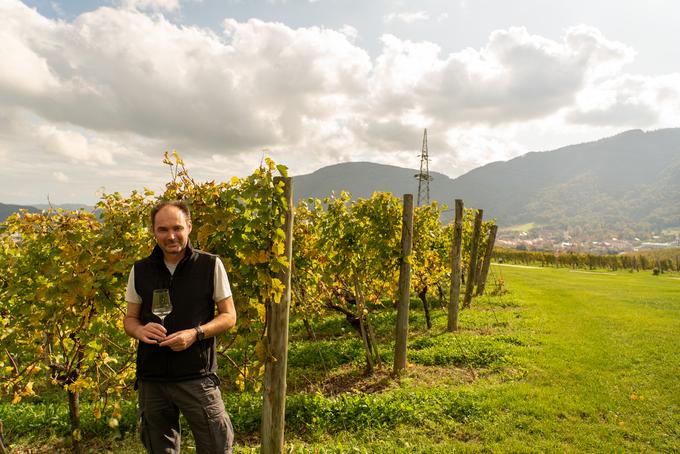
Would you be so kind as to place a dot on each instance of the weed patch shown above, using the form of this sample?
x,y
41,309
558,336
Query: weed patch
x,y
324,354
361,412
449,349
52,419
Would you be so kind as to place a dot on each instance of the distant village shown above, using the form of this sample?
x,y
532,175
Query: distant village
x,y
563,242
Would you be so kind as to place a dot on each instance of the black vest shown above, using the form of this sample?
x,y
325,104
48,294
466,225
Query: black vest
x,y
191,293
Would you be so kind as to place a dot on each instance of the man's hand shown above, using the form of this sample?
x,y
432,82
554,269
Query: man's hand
x,y
181,340
151,333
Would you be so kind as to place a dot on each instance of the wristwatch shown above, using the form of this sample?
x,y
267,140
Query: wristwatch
x,y
200,334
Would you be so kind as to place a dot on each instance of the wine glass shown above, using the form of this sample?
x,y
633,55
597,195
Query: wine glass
x,y
161,305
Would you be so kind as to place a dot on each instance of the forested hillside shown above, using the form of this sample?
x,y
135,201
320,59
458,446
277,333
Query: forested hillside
x,y
624,185
7,209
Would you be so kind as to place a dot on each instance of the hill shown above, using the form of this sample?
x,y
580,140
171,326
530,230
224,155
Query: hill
x,y
625,185
362,179
7,209
631,181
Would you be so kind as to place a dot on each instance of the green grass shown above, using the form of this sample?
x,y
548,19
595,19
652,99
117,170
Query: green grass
x,y
592,367
604,377
564,362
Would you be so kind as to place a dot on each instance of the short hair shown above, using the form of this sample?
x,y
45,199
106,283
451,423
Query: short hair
x,y
182,206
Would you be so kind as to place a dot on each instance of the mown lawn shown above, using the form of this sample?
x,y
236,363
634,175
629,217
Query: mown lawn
x,y
604,373
597,369
564,362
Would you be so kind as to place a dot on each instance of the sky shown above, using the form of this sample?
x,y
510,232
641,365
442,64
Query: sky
x,y
93,92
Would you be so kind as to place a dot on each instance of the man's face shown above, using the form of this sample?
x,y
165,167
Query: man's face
x,y
171,230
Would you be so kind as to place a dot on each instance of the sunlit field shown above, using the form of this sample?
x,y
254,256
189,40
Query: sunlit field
x,y
567,361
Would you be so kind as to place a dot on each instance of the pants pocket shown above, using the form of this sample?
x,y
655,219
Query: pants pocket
x,y
221,432
218,434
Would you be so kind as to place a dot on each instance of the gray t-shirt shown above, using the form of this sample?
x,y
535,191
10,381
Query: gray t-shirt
x,y
222,288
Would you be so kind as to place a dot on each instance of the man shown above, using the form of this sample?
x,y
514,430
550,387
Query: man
x,y
176,361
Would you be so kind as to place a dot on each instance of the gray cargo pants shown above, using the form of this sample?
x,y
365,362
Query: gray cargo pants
x,y
200,401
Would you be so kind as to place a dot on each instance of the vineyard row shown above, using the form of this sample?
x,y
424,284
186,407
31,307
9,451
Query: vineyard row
x,y
62,292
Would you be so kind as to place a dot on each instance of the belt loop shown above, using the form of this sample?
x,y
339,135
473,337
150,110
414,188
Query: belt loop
x,y
215,379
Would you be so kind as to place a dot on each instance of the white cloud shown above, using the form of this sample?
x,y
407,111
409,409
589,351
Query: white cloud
x,y
78,99
22,71
60,177
75,146
350,32
247,89
23,68
153,5
473,147
629,101
56,7
34,154
407,18
478,96
515,77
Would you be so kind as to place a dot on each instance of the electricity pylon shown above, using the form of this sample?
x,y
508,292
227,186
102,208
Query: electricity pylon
x,y
424,174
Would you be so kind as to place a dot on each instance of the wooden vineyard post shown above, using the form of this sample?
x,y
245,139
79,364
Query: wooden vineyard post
x,y
404,285
472,267
3,450
274,398
480,263
481,281
454,295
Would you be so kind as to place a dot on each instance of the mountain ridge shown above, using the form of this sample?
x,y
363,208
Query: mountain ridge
x,y
7,209
624,185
